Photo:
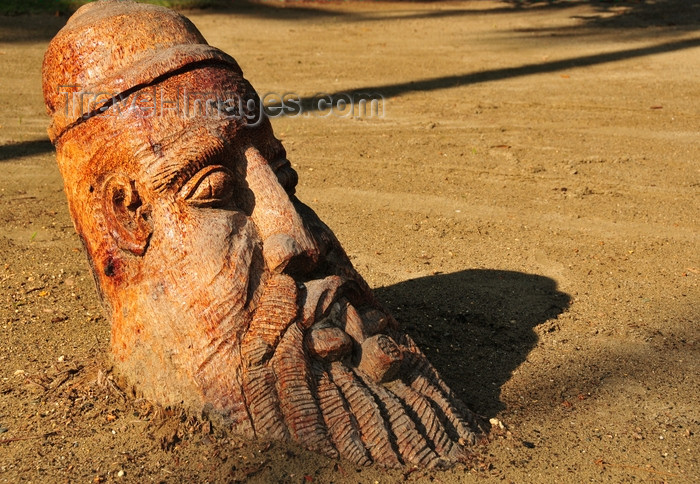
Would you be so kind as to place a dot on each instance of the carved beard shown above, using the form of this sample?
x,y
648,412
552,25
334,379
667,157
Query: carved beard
x,y
223,301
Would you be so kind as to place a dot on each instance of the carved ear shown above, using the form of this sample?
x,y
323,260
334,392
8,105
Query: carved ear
x,y
127,218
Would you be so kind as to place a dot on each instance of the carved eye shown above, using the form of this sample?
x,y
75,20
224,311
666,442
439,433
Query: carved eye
x,y
210,187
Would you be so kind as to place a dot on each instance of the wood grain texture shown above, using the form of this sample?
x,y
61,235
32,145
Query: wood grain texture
x,y
225,292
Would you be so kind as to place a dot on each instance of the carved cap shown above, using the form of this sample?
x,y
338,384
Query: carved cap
x,y
113,47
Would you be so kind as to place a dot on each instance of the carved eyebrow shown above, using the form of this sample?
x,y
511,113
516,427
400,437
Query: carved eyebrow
x,y
173,173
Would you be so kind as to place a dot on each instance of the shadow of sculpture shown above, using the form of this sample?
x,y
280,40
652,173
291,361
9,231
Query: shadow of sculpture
x,y
476,326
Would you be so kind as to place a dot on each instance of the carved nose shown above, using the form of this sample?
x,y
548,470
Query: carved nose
x,y
282,252
287,244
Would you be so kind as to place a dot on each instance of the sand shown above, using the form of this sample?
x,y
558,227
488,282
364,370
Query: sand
x,y
527,206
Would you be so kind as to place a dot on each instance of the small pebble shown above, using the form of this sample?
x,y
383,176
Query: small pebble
x,y
61,358
120,473
497,423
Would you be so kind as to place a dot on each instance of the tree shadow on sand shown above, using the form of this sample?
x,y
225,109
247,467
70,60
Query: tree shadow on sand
x,y
621,14
323,102
21,149
475,326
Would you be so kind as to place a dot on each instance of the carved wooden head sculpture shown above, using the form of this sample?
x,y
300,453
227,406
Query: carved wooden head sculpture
x,y
225,292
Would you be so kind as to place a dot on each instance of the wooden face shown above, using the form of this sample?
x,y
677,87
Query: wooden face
x,y
228,295
225,222
204,244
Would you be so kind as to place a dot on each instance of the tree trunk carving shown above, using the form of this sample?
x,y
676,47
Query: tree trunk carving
x,y
226,294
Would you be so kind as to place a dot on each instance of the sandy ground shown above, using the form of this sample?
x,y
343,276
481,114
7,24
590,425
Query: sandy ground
x,y
528,207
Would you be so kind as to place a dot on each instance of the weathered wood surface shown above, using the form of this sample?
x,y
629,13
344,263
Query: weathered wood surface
x,y
226,294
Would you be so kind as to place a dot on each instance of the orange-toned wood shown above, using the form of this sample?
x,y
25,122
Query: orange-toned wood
x,y
226,294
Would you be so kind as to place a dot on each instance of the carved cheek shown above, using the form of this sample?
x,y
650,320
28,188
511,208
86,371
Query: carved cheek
x,y
202,262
